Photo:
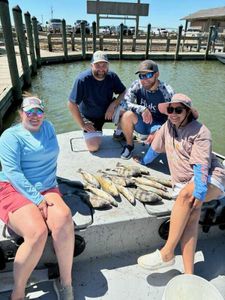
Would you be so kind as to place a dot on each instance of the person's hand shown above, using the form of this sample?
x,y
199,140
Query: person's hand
x,y
110,111
88,127
150,138
147,116
195,203
43,207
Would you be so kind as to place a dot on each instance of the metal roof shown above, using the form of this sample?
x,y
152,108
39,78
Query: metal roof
x,y
218,12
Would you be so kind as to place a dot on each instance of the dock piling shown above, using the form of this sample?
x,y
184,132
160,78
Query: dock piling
x,y
20,32
36,41
30,42
64,39
9,45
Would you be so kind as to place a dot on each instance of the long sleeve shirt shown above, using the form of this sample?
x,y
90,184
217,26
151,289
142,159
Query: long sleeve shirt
x,y
29,160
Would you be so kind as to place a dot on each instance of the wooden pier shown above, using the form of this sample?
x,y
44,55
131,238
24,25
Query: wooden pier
x,y
23,52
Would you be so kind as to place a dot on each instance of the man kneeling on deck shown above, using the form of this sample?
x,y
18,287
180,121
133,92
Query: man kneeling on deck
x,y
91,100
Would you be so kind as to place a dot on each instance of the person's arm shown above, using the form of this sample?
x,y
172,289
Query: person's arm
x,y
131,98
150,155
74,109
200,181
10,150
113,105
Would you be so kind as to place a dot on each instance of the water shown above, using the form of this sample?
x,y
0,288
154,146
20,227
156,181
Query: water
x,y
200,80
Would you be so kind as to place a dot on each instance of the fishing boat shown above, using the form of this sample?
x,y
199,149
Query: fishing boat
x,y
220,57
109,241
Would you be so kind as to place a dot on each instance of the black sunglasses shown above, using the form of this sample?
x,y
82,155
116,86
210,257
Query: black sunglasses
x,y
177,110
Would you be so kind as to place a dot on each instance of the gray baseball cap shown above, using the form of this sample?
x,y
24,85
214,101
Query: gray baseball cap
x,y
99,56
147,66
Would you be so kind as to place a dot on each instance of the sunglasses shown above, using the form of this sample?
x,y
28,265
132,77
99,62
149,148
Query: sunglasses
x,y
146,76
177,110
34,112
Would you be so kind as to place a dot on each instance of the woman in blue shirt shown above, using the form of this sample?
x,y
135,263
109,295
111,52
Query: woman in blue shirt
x,y
30,202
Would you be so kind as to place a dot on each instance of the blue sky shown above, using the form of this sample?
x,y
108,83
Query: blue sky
x,y
161,13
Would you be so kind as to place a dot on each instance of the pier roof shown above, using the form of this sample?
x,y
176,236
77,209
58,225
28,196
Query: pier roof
x,y
218,12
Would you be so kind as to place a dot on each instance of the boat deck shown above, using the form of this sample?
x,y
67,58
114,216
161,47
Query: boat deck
x,y
116,237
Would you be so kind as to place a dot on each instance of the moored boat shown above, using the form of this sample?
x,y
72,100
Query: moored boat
x,y
112,239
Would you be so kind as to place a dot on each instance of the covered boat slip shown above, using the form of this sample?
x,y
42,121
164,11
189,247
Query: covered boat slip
x,y
115,237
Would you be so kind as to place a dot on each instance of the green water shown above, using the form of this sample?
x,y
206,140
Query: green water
x,y
203,81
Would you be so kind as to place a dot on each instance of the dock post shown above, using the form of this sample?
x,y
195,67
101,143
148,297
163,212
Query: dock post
x,y
168,44
49,38
121,41
36,41
199,44
134,44
101,42
64,40
94,36
147,40
72,41
208,42
178,42
9,45
30,42
83,40
18,21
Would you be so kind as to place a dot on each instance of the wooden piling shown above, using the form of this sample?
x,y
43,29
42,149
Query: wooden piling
x,y
83,40
20,32
121,42
11,55
72,42
94,36
36,41
30,42
49,38
178,42
64,39
147,40
208,42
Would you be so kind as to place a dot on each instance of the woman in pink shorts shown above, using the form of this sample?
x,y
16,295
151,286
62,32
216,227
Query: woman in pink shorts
x,y
30,202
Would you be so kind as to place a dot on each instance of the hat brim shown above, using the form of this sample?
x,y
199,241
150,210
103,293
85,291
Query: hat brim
x,y
145,71
100,60
163,108
28,107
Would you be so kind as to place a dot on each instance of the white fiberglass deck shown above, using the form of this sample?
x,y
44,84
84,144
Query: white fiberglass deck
x,y
115,237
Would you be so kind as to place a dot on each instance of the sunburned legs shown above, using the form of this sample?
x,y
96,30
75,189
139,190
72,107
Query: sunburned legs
x,y
35,231
184,226
128,120
28,223
61,226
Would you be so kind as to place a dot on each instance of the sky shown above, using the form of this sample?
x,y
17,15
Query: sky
x,y
164,13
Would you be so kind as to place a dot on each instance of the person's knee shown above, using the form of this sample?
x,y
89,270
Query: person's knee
x,y
185,196
37,235
64,219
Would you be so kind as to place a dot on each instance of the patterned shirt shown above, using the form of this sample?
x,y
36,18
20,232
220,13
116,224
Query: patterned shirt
x,y
138,98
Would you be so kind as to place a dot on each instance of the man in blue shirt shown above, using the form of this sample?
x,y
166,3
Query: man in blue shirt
x,y
92,101
141,105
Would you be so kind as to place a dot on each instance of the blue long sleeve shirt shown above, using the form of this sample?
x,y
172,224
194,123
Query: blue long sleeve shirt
x,y
29,160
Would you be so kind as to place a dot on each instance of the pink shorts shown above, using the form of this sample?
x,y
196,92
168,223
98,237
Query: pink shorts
x,y
11,200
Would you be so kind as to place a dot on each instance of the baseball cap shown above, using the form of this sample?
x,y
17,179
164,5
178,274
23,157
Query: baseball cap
x,y
99,56
31,102
147,66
